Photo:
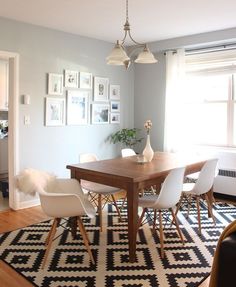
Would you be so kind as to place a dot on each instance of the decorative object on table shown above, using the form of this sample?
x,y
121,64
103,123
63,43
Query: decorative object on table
x,y
55,111
77,107
100,114
23,250
71,79
101,89
148,151
118,55
115,118
55,84
85,80
114,92
127,137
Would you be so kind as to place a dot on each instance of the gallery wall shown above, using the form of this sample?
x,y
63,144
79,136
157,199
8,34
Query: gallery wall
x,y
44,51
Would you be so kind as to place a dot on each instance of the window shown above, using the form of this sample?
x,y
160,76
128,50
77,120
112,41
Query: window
x,y
210,105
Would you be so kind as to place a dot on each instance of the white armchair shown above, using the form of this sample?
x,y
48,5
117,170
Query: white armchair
x,y
59,198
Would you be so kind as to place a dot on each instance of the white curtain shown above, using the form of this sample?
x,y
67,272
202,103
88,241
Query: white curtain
x,y
174,116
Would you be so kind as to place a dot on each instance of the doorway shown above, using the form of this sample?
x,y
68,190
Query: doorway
x,y
9,133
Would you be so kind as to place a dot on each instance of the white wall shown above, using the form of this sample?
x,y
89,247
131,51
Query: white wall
x,y
44,51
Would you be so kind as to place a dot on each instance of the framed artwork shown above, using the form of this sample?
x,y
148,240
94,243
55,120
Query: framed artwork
x,y
85,80
101,89
55,84
115,106
77,107
100,114
71,79
115,118
55,111
114,92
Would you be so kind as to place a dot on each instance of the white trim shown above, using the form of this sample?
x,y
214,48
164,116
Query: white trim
x,y
13,137
28,203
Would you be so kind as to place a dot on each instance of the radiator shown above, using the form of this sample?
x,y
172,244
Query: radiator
x,y
225,182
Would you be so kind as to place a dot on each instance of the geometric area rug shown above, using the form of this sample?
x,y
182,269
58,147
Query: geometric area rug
x,y
68,263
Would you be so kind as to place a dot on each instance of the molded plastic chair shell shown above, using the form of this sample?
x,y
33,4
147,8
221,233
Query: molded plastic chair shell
x,y
127,152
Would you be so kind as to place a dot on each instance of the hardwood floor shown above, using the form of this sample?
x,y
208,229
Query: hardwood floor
x,y
11,220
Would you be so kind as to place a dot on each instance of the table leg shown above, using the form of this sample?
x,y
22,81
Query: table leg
x,y
132,204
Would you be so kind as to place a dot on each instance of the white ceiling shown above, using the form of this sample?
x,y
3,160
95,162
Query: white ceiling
x,y
151,20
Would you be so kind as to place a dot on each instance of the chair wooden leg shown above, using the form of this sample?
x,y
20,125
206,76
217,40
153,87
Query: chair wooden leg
x,y
177,225
154,221
141,218
116,206
50,239
100,210
210,208
50,231
85,238
199,214
179,204
189,201
161,235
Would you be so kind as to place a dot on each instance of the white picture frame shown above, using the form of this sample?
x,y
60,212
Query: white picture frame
x,y
77,107
115,106
55,84
114,92
55,111
71,79
115,118
101,89
85,80
100,113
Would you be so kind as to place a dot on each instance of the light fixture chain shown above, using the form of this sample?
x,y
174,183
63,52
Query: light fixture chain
x,y
127,10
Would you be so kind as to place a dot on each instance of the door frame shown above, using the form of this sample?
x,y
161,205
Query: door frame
x,y
13,132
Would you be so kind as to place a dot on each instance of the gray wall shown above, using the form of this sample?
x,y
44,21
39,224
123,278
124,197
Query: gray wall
x,y
149,80
45,51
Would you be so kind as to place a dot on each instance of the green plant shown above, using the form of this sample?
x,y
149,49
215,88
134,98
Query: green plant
x,y
127,137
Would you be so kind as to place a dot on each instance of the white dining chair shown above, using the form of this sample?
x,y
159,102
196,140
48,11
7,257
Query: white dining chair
x,y
100,194
199,189
127,152
167,199
60,198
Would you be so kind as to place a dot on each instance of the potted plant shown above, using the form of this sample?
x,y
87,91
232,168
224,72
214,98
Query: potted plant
x,y
127,137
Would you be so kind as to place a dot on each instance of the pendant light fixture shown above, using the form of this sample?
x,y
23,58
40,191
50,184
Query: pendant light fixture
x,y
118,55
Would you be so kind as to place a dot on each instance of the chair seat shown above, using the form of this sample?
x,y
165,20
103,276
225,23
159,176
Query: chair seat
x,y
98,188
147,201
188,188
193,176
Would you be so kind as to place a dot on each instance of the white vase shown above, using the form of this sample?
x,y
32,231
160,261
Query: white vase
x,y
148,151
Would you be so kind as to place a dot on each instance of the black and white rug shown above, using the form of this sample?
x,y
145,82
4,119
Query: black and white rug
x,y
69,265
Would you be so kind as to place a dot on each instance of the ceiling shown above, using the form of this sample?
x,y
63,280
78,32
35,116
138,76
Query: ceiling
x,y
151,20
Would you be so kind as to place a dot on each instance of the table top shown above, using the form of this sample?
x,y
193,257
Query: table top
x,y
129,170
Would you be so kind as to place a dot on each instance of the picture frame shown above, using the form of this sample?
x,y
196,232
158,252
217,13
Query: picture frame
x,y
100,113
55,111
115,106
114,92
115,118
77,107
71,79
101,89
85,80
55,84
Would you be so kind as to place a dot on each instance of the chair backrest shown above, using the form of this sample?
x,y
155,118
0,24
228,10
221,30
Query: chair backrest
x,y
171,188
206,177
127,152
87,157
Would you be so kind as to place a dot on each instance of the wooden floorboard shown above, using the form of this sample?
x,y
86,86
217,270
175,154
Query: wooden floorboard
x,y
12,220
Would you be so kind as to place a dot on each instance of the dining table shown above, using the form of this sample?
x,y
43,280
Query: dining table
x,y
132,175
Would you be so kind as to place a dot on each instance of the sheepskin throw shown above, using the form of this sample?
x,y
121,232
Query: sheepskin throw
x,y
31,180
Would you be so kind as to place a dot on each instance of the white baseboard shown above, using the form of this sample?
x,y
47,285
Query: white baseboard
x,y
28,203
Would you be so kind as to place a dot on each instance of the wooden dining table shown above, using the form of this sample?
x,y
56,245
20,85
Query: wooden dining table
x,y
128,174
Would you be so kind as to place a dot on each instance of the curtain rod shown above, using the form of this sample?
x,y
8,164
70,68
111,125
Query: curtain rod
x,y
217,48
